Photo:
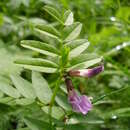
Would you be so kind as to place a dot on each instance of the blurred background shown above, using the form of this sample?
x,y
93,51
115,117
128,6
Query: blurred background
x,y
106,24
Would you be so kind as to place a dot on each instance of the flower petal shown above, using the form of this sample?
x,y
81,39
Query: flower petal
x,y
79,103
87,72
95,71
85,103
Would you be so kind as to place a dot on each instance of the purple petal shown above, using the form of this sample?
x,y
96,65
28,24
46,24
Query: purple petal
x,y
73,97
79,103
85,104
87,72
95,71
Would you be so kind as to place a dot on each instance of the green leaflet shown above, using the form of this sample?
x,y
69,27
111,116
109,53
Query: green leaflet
x,y
77,47
44,33
49,29
9,90
5,79
82,58
85,64
62,101
24,101
68,18
24,87
40,47
54,13
57,112
40,69
71,32
41,87
37,64
35,124
46,37
6,64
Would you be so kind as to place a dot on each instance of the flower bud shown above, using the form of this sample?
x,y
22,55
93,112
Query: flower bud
x,y
87,72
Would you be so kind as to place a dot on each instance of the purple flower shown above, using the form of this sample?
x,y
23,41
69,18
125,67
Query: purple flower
x,y
87,72
79,103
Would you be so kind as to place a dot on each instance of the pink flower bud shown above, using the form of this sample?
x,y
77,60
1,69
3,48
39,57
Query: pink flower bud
x,y
87,72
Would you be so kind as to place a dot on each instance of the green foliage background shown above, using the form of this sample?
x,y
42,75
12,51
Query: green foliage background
x,y
106,24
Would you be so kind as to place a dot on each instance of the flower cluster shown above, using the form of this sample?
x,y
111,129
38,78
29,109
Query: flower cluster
x,y
80,104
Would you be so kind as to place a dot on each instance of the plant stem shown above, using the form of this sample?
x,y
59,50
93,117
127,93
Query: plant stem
x,y
108,94
53,99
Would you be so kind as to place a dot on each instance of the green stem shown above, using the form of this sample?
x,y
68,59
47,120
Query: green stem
x,y
53,99
108,94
